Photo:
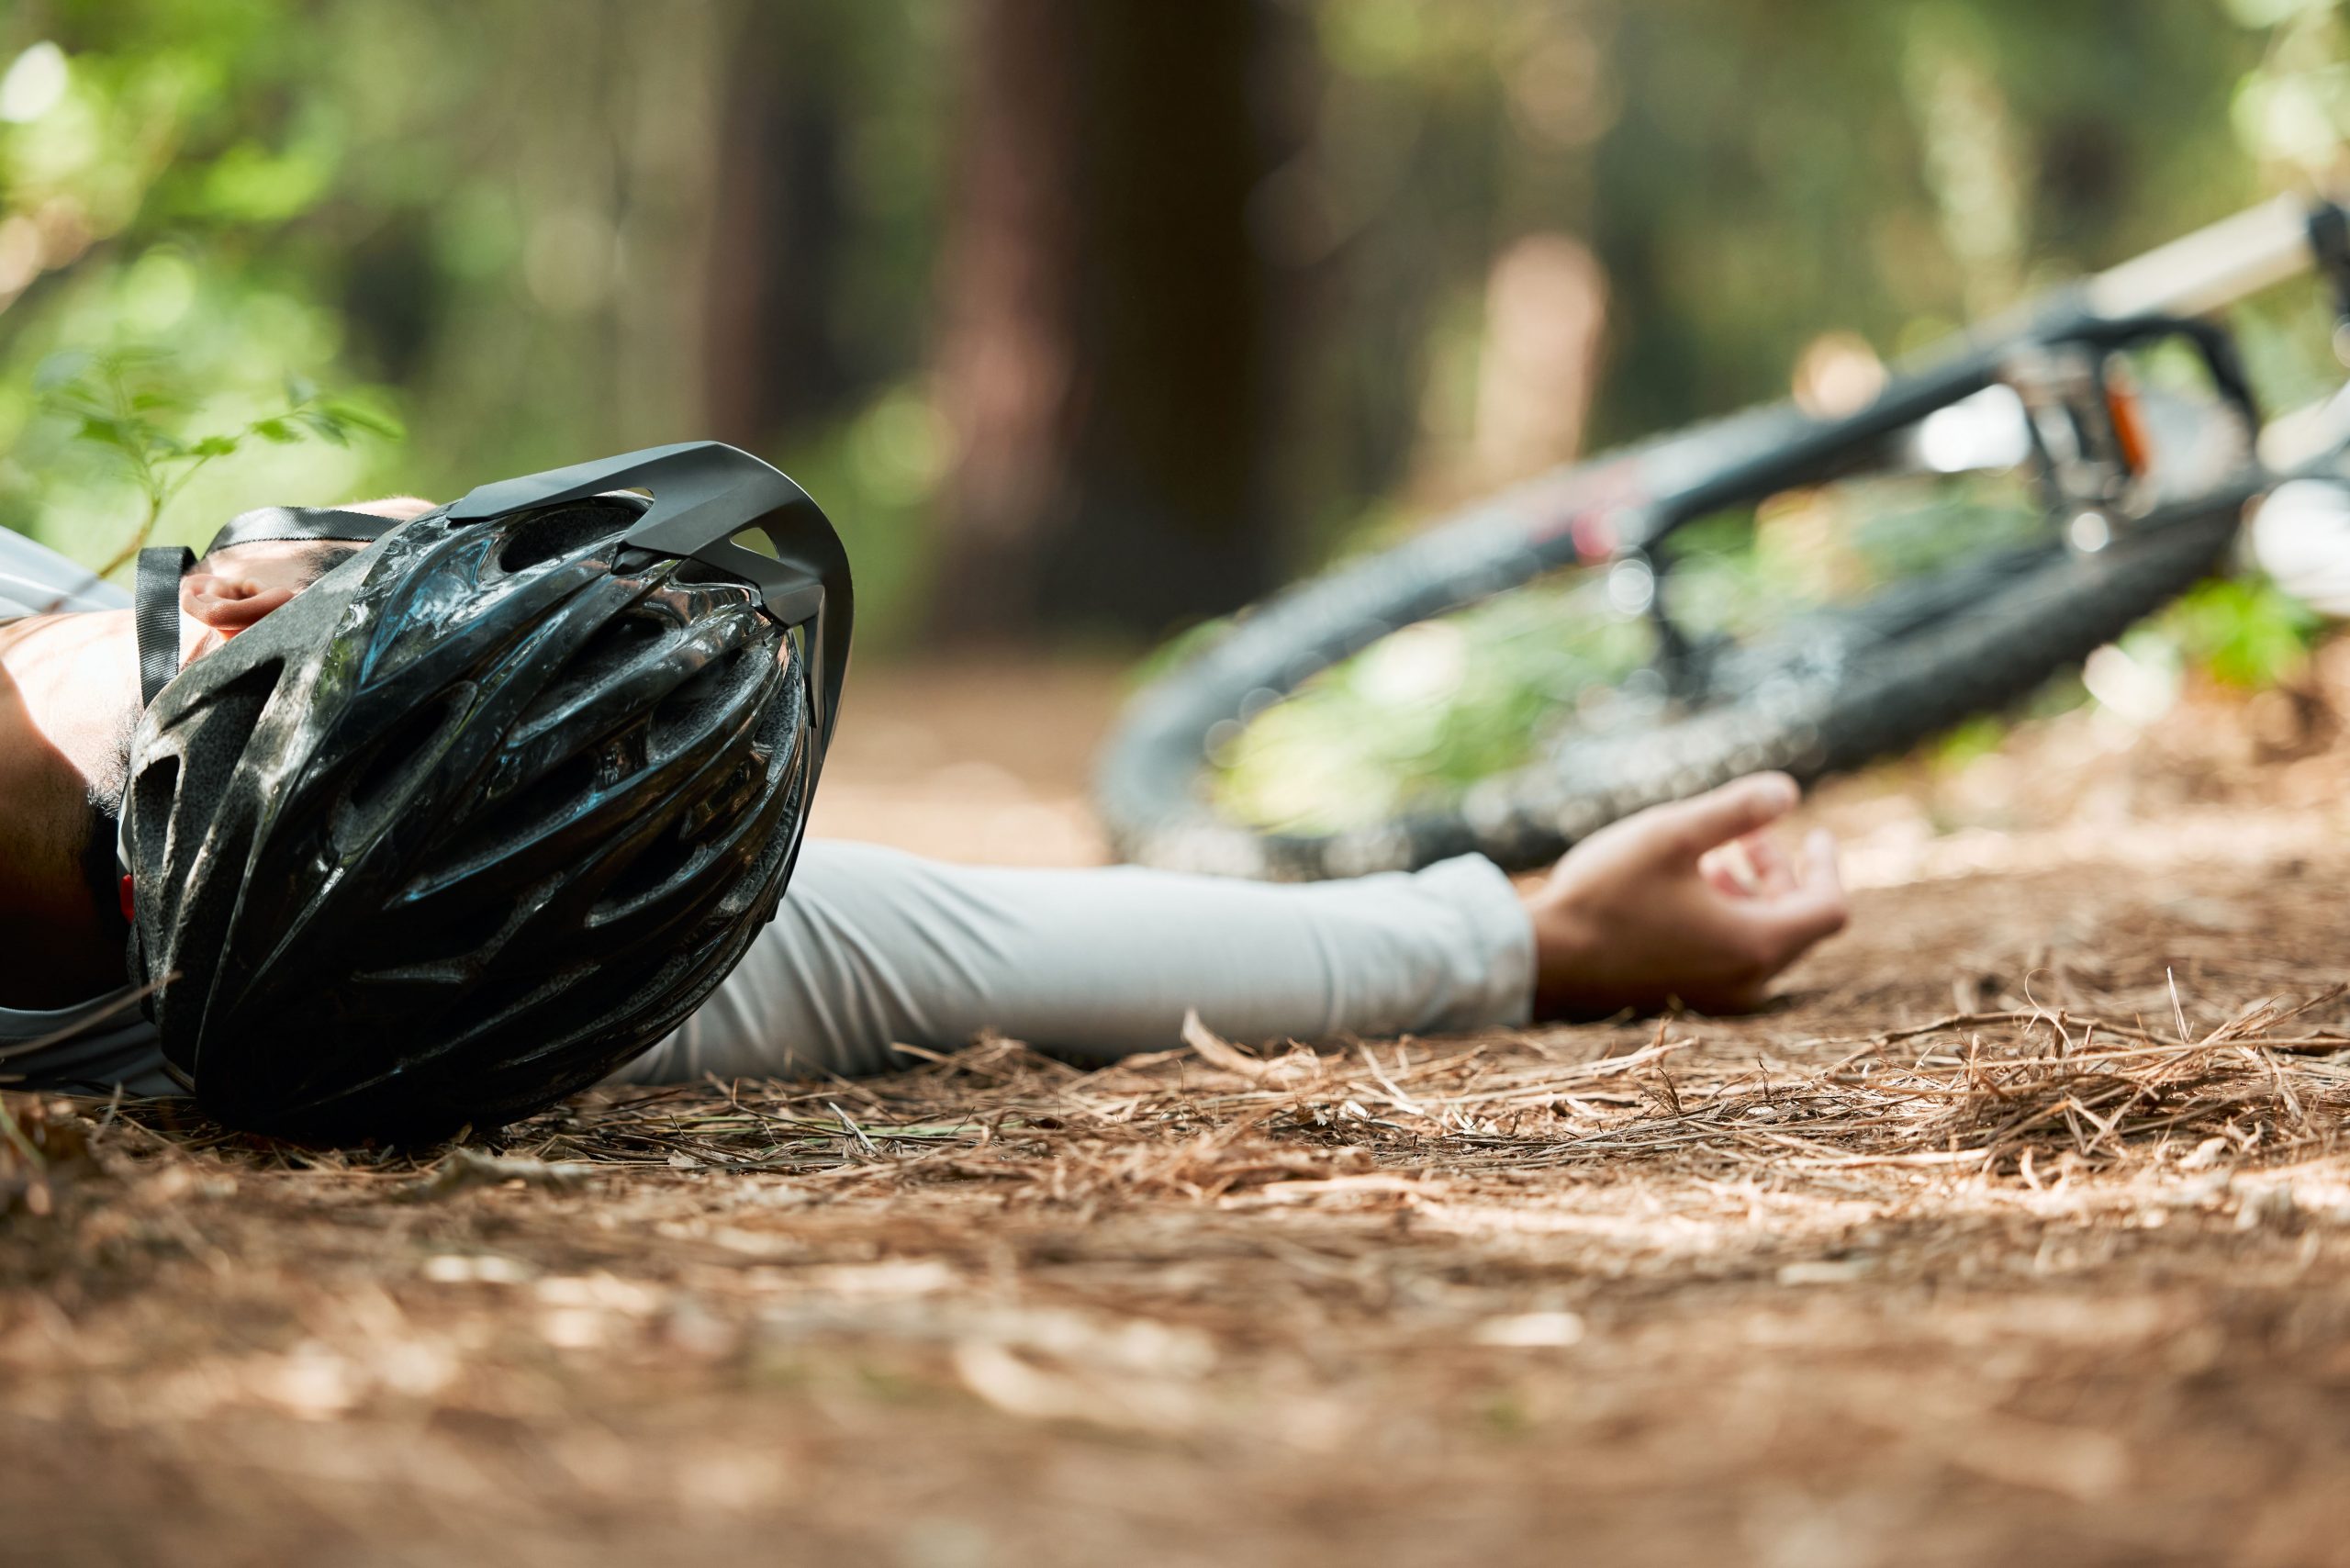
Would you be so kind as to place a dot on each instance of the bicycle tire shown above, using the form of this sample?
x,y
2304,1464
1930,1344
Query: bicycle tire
x,y
2031,622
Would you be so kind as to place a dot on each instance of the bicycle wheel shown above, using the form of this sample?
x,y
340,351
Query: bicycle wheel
x,y
1823,692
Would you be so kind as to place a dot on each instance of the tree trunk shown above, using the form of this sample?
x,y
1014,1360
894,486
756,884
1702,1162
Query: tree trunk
x,y
773,358
1107,354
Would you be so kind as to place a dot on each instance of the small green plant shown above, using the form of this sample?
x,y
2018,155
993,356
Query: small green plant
x,y
2245,630
133,403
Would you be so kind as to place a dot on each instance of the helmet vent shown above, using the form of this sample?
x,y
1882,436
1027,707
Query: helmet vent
x,y
615,647
515,833
564,530
660,864
216,735
755,539
562,793
379,788
152,794
457,935
620,643
201,789
723,682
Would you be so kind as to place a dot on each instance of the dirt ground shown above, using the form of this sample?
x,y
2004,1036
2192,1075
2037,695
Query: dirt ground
x,y
2020,1232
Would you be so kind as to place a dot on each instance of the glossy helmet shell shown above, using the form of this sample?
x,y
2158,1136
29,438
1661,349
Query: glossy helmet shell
x,y
481,815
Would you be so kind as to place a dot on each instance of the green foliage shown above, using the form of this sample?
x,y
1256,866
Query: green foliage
x,y
132,405
2243,631
166,319
497,220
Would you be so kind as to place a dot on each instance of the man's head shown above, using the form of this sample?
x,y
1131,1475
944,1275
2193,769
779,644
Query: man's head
x,y
68,701
490,807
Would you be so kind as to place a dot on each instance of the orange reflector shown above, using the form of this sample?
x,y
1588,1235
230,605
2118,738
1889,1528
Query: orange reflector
x,y
2129,427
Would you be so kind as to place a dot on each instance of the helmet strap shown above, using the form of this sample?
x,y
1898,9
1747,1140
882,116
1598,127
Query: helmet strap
x,y
155,613
329,523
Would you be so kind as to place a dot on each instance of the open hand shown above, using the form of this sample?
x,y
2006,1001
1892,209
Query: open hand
x,y
1693,902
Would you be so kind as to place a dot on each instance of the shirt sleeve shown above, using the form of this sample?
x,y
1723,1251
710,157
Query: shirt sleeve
x,y
873,947
35,580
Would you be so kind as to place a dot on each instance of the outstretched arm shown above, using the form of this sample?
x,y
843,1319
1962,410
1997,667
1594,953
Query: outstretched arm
x,y
874,946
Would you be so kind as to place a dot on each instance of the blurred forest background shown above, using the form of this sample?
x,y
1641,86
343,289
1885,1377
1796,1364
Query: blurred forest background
x,y
1085,320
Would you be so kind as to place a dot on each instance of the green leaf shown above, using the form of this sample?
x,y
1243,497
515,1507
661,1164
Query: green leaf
x,y
300,389
108,433
276,431
77,403
359,417
325,426
214,446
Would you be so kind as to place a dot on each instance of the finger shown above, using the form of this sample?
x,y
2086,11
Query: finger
x,y
1775,874
1730,870
1820,873
1733,811
1815,909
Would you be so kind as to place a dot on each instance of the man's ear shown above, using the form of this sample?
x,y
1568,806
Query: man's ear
x,y
226,603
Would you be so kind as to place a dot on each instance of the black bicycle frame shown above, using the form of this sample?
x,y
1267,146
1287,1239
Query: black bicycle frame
x,y
1780,447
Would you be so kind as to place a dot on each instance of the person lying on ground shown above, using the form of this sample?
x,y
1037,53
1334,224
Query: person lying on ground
x,y
1696,901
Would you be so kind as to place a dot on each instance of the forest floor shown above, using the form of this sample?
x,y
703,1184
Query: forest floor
x,y
2020,1232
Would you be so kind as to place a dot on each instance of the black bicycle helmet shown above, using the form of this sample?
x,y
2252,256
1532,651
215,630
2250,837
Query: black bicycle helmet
x,y
493,805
